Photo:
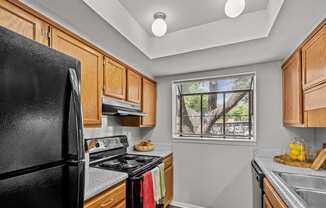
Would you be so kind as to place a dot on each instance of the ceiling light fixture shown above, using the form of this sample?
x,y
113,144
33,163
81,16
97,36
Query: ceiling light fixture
x,y
159,26
233,8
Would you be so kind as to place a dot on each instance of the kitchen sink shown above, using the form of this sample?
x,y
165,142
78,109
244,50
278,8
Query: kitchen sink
x,y
311,189
314,199
304,181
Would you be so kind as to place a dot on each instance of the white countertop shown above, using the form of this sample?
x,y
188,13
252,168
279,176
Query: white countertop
x,y
269,167
161,150
99,180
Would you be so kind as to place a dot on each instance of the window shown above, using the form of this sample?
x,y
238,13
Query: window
x,y
220,108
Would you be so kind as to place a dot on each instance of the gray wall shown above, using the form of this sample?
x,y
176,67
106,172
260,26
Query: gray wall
x,y
214,175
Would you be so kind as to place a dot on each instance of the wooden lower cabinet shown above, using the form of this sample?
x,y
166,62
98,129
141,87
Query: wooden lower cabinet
x,y
168,173
121,205
266,203
91,74
271,197
114,197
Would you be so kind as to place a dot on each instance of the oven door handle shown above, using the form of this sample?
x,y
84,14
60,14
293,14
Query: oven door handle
x,y
136,178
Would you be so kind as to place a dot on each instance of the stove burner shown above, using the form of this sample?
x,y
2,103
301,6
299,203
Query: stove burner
x,y
111,163
129,157
129,166
144,159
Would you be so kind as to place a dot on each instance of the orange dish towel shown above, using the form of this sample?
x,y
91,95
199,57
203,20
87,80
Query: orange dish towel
x,y
147,190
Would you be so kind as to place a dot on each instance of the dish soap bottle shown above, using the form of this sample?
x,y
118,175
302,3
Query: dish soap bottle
x,y
297,150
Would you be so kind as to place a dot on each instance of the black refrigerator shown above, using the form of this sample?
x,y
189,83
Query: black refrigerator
x,y
41,130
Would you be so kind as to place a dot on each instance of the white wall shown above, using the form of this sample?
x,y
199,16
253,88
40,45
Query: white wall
x,y
320,137
111,127
218,175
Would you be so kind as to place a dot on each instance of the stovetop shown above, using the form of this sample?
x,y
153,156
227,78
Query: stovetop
x,y
131,164
110,153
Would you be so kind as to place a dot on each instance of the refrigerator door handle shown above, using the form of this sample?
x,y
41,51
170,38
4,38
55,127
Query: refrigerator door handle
x,y
74,80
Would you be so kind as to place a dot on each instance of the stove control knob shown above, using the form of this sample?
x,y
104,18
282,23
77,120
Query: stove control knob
x,y
97,144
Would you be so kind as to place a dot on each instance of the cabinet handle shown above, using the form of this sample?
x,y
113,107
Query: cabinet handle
x,y
107,203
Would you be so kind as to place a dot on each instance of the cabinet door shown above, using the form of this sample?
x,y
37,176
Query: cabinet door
x,y
133,87
314,59
149,103
91,74
266,202
19,21
114,79
292,92
315,106
112,198
121,204
168,173
273,197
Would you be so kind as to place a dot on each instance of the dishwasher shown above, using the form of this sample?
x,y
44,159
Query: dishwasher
x,y
258,192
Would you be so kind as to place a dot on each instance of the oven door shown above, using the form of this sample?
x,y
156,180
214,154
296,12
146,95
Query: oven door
x,y
134,186
134,198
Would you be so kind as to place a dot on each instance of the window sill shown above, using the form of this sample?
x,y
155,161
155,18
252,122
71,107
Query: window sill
x,y
214,141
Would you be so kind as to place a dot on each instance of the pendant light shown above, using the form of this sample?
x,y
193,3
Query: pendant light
x,y
159,26
233,8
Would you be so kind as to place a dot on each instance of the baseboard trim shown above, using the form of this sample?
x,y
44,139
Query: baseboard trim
x,y
184,205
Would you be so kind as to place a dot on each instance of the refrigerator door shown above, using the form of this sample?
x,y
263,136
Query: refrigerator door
x,y
40,116
61,186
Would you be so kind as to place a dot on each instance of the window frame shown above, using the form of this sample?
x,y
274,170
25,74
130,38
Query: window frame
x,y
227,139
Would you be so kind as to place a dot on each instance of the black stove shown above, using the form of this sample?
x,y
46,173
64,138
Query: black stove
x,y
110,153
131,164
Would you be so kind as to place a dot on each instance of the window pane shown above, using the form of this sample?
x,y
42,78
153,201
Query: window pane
x,y
213,114
243,82
177,117
237,114
191,108
219,107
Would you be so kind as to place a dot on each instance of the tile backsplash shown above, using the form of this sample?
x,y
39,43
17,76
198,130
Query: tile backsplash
x,y
111,126
320,137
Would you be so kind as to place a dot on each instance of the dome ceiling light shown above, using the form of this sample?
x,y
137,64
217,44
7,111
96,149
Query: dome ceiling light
x,y
233,8
159,26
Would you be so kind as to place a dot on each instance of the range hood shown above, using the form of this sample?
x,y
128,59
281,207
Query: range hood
x,y
112,107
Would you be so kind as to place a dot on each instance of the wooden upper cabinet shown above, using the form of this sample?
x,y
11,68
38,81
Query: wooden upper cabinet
x,y
91,74
292,92
134,84
114,79
149,103
19,21
314,59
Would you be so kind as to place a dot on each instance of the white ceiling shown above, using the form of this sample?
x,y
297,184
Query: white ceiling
x,y
183,14
209,34
296,20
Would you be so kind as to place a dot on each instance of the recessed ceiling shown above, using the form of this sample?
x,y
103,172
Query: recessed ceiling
x,y
182,14
197,24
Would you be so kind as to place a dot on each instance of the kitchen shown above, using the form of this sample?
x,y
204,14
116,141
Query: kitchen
x,y
131,85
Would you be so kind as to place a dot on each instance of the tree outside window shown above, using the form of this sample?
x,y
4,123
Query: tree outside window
x,y
215,108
